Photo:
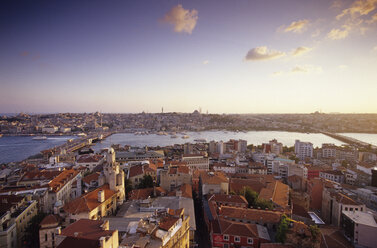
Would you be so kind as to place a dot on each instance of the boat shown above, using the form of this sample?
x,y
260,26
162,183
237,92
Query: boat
x,y
40,138
185,137
81,134
200,140
173,136
1,135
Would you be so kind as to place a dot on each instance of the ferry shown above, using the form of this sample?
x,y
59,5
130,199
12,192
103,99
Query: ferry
x,y
81,134
185,137
200,140
40,138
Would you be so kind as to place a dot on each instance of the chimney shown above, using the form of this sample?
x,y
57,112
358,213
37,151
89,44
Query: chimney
x,y
101,196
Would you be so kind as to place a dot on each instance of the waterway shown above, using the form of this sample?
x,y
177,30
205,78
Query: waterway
x,y
252,137
17,148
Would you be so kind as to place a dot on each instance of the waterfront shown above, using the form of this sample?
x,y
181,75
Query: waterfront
x,y
17,148
252,137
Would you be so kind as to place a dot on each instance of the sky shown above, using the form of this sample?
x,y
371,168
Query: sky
x,y
222,56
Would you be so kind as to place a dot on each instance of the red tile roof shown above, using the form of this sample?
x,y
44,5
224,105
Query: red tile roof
x,y
90,158
266,216
167,222
87,229
91,177
213,177
136,170
58,182
50,220
89,201
227,199
40,175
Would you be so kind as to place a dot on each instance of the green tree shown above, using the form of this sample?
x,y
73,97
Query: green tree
x,y
128,187
263,204
146,182
281,233
250,195
315,232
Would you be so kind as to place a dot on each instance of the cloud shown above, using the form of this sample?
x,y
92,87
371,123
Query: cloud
x,y
316,33
24,53
342,67
301,50
373,19
263,53
374,49
337,4
338,34
358,8
306,69
297,27
205,62
183,20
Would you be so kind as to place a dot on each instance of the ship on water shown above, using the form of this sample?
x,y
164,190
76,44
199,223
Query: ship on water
x,y
40,138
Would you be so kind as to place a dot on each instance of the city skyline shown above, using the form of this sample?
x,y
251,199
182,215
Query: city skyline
x,y
225,57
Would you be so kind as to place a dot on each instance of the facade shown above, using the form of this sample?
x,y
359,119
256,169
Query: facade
x,y
329,151
335,176
49,229
360,227
16,213
303,149
175,176
63,188
225,233
213,183
335,203
196,162
89,161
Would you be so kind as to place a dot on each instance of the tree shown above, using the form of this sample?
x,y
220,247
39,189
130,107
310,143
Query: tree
x,y
146,182
315,232
128,187
250,195
263,204
281,233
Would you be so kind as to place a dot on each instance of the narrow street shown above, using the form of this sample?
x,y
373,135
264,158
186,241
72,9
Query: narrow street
x,y
202,234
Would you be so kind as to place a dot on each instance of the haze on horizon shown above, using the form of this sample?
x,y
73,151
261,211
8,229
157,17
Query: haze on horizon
x,y
222,56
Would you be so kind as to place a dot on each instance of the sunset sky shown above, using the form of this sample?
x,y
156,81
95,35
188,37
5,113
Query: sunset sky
x,y
223,56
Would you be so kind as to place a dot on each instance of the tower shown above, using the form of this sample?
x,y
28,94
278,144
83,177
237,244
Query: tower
x,y
113,175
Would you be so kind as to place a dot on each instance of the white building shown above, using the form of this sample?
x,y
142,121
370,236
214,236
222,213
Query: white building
x,y
303,149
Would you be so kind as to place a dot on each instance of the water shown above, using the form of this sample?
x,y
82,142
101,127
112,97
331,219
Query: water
x,y
21,147
17,148
252,137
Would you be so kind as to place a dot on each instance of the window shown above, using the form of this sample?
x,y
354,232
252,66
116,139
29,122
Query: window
x,y
226,237
46,237
346,208
237,239
249,240
351,209
226,246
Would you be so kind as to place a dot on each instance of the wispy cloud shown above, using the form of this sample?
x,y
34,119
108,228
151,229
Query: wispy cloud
x,y
373,19
342,67
358,8
183,20
338,34
306,69
337,4
297,26
301,50
205,62
263,53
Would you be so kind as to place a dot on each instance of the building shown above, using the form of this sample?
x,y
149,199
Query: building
x,y
303,149
16,213
360,227
374,177
335,203
63,188
94,205
332,175
196,162
89,234
89,161
49,229
175,176
213,183
225,233
35,178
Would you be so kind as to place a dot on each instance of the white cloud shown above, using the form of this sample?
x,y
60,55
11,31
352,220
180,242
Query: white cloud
x,y
263,53
205,62
184,20
358,8
306,69
301,50
297,26
338,34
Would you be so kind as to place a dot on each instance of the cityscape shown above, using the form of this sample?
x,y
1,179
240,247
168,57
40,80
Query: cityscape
x,y
169,124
